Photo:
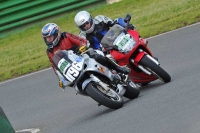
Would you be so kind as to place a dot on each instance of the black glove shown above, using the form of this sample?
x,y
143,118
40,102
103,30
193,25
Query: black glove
x,y
130,26
110,23
115,47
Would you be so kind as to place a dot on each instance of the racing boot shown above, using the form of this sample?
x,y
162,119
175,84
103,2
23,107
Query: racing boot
x,y
116,78
115,66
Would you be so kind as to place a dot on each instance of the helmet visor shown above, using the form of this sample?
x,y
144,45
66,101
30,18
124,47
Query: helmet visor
x,y
49,40
87,25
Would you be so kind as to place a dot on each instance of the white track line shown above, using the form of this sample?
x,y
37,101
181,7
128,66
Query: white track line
x,y
33,130
174,30
24,76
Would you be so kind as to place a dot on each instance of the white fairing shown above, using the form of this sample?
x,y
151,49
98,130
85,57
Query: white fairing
x,y
71,70
78,71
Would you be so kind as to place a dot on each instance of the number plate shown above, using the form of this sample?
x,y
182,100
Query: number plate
x,y
123,42
63,65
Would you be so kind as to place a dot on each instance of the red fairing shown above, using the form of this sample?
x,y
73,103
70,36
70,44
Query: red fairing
x,y
138,58
124,59
119,57
134,34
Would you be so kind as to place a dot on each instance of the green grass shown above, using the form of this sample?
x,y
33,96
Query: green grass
x,y
25,52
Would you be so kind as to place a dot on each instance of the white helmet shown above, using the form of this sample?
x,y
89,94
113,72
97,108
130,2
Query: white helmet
x,y
81,19
51,29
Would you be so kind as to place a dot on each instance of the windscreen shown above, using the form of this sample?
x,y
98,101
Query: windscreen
x,y
60,55
111,35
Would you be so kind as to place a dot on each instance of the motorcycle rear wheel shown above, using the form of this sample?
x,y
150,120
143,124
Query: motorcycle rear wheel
x,y
156,69
132,91
109,99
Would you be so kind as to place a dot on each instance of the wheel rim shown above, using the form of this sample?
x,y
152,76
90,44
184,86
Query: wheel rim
x,y
111,94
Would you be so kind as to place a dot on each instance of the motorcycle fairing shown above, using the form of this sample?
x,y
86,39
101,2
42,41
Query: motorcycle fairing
x,y
140,77
94,66
117,36
68,64
134,34
138,58
91,66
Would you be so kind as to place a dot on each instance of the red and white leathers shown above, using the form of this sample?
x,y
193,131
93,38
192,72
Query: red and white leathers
x,y
67,42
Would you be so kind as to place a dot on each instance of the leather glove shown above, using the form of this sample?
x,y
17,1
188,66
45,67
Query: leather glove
x,y
82,48
130,26
61,84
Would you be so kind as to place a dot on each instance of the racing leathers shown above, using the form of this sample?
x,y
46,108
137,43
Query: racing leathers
x,y
67,41
102,24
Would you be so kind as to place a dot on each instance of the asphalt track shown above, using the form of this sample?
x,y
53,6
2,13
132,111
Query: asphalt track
x,y
35,101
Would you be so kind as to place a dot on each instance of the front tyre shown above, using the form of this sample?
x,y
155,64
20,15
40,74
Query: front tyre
x,y
109,99
156,69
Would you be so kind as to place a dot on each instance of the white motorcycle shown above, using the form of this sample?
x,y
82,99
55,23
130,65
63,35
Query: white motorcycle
x,y
90,78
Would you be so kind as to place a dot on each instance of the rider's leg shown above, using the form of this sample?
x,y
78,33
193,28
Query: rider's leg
x,y
109,63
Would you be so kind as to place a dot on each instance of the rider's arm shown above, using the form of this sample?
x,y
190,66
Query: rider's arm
x,y
104,19
76,39
83,35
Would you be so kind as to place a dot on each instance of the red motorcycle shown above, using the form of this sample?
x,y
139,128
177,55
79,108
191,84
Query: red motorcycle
x,y
127,48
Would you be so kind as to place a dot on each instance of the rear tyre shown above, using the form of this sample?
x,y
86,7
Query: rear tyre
x,y
156,69
109,99
132,91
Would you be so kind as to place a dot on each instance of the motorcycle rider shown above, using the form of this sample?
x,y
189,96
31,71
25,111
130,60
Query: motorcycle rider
x,y
55,41
93,29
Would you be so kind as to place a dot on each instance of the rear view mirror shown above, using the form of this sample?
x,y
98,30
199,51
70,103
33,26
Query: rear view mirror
x,y
127,18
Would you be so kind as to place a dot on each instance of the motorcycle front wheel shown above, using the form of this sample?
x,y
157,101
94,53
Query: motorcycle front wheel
x,y
109,99
156,69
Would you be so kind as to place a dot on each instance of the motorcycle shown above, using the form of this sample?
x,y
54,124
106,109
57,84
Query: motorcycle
x,y
127,48
89,78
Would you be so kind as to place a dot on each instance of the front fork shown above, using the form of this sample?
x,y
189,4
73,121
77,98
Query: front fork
x,y
139,57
